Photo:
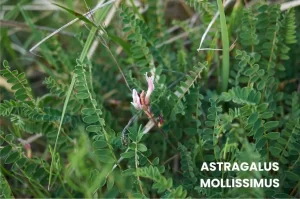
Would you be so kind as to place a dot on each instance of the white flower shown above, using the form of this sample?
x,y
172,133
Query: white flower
x,y
142,101
150,81
136,100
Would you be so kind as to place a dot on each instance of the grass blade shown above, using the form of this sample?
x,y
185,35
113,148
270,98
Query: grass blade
x,y
81,59
60,124
68,24
225,46
79,16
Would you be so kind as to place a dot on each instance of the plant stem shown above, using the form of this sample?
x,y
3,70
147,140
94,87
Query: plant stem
x,y
160,130
136,168
225,46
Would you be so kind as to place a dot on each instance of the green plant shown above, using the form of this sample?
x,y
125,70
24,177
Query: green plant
x,y
77,135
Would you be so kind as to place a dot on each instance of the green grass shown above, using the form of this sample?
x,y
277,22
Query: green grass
x,y
101,14
76,134
225,45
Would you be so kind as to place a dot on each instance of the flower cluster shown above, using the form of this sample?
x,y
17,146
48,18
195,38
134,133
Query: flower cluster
x,y
142,101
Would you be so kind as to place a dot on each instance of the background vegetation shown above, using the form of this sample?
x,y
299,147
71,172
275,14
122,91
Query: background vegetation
x,y
68,129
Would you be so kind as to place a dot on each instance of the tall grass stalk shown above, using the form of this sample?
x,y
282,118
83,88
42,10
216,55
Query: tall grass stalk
x,y
225,46
82,57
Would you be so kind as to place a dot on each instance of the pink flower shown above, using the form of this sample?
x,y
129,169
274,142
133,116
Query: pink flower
x,y
136,100
142,101
150,81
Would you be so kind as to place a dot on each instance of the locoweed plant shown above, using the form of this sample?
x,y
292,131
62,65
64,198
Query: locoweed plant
x,y
69,130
